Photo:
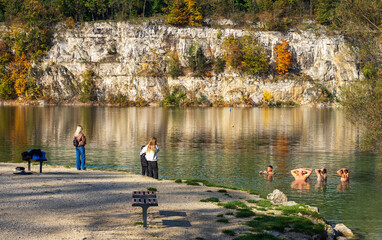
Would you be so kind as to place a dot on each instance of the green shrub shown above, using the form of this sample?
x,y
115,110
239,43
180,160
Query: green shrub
x,y
197,61
222,190
152,189
119,99
219,34
219,65
245,55
88,88
175,97
174,66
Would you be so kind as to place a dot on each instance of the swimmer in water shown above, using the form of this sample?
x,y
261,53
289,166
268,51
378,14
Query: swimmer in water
x,y
321,174
301,174
344,173
269,171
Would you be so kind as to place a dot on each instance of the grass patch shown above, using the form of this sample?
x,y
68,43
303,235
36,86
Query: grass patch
x,y
229,232
220,215
193,182
152,189
229,213
264,203
211,199
138,223
244,213
252,201
222,220
178,180
68,166
296,209
233,205
280,223
222,191
259,236
261,209
208,191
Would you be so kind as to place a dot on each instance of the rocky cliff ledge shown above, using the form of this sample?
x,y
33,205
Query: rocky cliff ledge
x,y
118,51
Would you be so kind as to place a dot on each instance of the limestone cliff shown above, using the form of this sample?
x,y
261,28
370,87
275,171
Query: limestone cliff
x,y
118,51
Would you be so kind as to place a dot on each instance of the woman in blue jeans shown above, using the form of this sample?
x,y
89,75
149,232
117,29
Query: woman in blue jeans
x,y
80,149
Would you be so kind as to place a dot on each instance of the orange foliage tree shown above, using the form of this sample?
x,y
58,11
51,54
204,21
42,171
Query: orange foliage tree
x,y
184,12
283,58
19,69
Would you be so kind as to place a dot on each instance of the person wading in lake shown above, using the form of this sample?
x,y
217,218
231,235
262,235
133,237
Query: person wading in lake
x,y
151,151
344,173
269,173
301,174
79,141
321,174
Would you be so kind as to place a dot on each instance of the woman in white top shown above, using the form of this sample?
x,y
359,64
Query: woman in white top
x,y
151,151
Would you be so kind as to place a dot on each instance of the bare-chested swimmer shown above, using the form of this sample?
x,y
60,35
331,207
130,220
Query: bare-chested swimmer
x,y
301,174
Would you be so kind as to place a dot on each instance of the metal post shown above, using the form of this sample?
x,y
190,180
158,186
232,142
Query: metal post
x,y
144,209
29,165
40,166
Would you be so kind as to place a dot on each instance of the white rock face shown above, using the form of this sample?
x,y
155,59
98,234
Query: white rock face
x,y
119,52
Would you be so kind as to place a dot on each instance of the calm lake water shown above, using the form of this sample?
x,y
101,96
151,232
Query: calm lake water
x,y
218,145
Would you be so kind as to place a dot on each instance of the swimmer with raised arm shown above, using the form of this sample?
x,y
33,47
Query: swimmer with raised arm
x,y
269,171
301,174
321,174
344,173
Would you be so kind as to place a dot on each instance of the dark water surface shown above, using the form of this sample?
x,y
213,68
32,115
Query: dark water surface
x,y
218,145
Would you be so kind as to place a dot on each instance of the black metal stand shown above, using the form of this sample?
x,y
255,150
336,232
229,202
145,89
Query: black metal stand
x,y
41,160
144,199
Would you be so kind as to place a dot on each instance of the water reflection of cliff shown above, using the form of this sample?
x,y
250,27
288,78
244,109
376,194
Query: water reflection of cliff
x,y
277,132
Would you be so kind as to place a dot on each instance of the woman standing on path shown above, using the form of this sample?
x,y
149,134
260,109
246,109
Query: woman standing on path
x,y
151,151
80,148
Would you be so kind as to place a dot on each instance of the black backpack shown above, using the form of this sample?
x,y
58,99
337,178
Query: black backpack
x,y
144,162
75,142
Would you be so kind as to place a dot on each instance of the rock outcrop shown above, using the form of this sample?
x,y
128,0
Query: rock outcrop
x,y
119,53
277,197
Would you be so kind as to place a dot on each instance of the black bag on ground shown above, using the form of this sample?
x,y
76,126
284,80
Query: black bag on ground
x,y
75,142
143,159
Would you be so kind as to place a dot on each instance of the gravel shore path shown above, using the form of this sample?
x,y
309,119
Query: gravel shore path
x,y
63,203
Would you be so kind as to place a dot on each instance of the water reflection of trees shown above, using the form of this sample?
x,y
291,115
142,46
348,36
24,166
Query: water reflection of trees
x,y
279,133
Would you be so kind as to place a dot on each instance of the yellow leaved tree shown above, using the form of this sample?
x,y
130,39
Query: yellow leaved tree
x,y
184,12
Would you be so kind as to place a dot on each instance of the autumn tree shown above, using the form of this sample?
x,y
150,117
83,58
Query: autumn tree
x,y
184,12
283,58
19,69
